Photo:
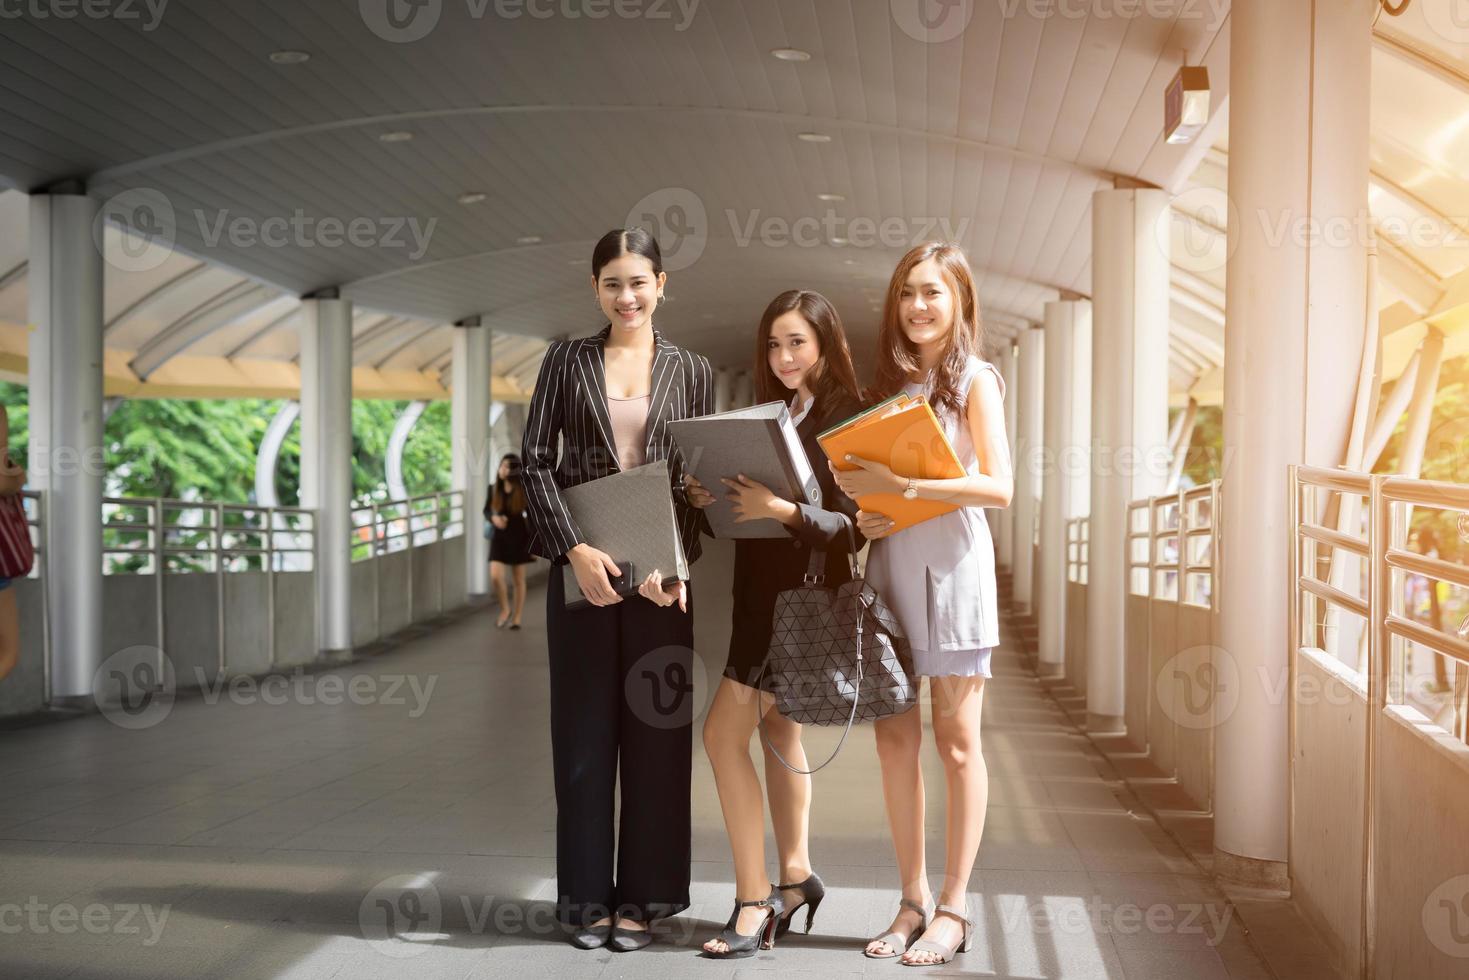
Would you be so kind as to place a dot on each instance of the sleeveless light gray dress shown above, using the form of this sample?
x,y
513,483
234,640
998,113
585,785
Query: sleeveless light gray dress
x,y
939,576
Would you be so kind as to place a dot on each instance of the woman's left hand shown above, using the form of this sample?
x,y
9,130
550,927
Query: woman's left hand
x,y
752,499
654,591
870,477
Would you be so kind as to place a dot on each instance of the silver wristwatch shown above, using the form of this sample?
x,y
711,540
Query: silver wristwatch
x,y
911,491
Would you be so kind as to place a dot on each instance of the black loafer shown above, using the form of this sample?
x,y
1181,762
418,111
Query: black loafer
x,y
629,940
591,937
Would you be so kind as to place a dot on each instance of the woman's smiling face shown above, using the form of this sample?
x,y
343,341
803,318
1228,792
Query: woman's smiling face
x,y
926,305
792,350
628,290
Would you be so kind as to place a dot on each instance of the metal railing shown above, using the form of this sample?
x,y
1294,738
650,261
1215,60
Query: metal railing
x,y
1171,546
161,536
390,526
1389,630
1078,532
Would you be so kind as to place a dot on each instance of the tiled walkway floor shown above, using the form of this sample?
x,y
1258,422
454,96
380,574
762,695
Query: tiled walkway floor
x,y
264,836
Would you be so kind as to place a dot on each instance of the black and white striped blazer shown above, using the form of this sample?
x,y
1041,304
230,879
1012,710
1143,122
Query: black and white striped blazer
x,y
568,434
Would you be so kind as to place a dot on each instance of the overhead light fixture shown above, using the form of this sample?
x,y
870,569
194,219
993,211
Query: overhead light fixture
x,y
831,197
849,261
1186,105
472,197
837,240
396,136
528,240
289,57
814,137
791,54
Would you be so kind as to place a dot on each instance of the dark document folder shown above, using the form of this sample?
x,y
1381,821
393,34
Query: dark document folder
x,y
630,516
760,442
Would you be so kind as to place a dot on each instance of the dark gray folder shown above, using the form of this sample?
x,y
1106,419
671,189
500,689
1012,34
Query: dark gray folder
x,y
630,516
760,442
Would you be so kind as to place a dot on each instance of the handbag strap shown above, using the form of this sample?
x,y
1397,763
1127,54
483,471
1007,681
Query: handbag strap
x,y
856,699
816,565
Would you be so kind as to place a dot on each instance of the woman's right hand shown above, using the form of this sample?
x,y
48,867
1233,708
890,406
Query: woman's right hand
x,y
698,496
874,526
500,521
592,568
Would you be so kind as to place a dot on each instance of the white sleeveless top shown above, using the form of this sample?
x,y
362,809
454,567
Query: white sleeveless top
x,y
939,576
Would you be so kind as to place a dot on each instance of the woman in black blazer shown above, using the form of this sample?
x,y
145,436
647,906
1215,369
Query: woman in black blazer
x,y
620,669
801,355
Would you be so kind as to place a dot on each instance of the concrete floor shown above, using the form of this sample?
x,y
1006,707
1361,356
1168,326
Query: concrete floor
x,y
269,833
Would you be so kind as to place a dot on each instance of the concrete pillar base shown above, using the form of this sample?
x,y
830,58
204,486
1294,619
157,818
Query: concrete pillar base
x,y
1105,724
1252,872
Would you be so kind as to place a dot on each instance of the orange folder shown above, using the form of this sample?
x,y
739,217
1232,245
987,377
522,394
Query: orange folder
x,y
904,433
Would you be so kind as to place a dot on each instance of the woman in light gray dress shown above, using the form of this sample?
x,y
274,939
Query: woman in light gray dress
x,y
939,578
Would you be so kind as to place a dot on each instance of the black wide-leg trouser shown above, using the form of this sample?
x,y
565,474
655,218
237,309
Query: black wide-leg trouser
x,y
621,696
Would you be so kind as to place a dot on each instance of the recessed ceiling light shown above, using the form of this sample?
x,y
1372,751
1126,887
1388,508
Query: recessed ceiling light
x,y
576,262
791,54
471,197
707,316
396,136
814,137
289,57
849,261
831,197
528,240
837,240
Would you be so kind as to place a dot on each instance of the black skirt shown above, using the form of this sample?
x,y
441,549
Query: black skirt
x,y
510,545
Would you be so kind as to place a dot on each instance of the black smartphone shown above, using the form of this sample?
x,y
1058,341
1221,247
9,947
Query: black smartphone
x,y
624,583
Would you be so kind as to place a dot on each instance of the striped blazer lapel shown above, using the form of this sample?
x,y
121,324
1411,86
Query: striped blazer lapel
x,y
591,370
665,372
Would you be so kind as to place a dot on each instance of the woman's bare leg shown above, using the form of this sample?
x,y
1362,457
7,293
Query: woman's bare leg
x,y
9,631
727,730
957,706
497,579
519,573
899,737
790,801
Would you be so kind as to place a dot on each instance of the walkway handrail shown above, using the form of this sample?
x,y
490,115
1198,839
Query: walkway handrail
x,y
1183,518
384,526
224,537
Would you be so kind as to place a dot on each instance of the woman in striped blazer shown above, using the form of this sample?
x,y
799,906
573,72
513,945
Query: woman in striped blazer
x,y
620,669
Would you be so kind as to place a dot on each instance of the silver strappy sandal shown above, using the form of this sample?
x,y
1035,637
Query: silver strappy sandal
x,y
944,953
896,940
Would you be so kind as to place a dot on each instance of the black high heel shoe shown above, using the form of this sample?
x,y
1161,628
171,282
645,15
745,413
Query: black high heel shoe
x,y
738,945
812,892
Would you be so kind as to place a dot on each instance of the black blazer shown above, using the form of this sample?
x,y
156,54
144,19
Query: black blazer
x,y
766,566
568,434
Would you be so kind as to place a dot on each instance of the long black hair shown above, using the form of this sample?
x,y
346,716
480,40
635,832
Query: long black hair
x,y
626,241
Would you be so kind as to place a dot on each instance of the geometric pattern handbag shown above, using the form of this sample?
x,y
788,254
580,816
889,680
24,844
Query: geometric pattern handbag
x,y
836,655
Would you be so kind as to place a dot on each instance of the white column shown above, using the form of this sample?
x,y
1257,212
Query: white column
x,y
723,390
1029,418
470,422
1005,553
744,390
66,461
1130,288
1067,481
1298,158
326,459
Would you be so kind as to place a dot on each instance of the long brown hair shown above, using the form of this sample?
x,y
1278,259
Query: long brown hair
x,y
833,372
897,358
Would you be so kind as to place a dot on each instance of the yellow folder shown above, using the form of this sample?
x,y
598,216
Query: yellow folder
x,y
903,433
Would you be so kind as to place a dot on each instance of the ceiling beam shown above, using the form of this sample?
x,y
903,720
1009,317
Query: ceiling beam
x,y
223,310
155,295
